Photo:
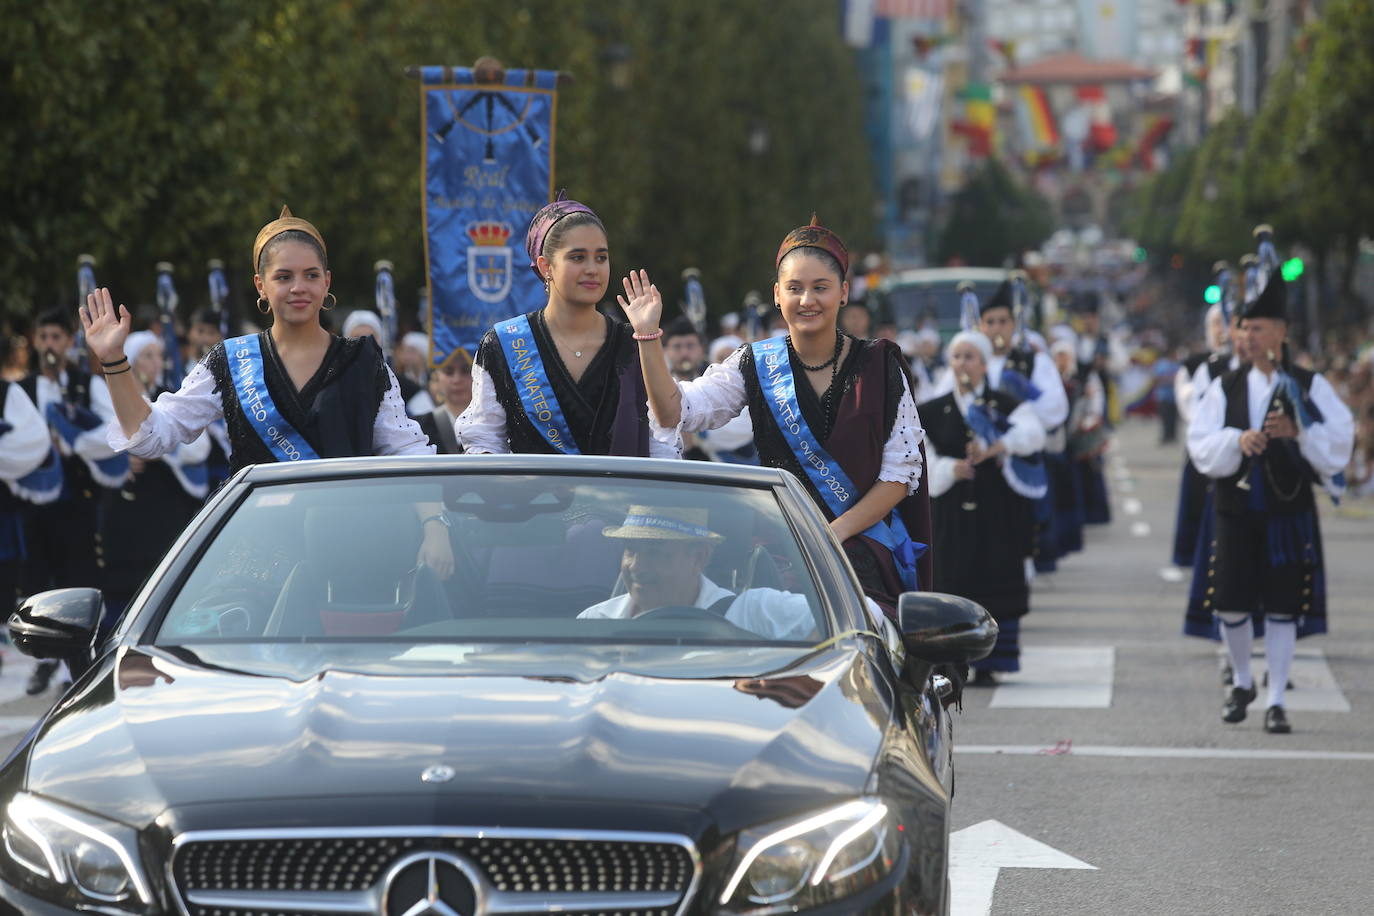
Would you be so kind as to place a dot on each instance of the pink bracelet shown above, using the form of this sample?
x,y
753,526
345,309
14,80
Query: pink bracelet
x,y
654,336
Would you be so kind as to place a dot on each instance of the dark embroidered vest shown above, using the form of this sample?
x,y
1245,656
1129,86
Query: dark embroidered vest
x,y
334,412
854,431
1286,475
607,409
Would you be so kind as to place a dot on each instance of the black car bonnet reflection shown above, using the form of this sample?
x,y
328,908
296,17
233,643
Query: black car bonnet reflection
x,y
153,731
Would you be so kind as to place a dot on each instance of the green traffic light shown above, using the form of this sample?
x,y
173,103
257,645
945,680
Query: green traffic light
x,y
1141,255
1212,295
1292,269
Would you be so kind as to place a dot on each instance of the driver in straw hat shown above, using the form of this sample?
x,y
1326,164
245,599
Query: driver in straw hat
x,y
666,550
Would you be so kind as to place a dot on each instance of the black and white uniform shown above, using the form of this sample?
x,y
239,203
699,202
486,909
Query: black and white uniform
x,y
24,446
1267,558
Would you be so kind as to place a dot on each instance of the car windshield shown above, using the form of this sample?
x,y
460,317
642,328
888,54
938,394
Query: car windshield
x,y
536,559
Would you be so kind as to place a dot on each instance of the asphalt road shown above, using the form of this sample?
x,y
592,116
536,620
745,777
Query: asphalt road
x,y
1175,812
1147,788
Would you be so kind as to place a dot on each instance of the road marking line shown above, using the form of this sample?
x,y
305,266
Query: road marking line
x,y
1140,529
16,725
1181,753
1059,677
1314,686
977,853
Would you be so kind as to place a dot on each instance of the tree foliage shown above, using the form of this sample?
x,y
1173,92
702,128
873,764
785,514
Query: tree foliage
x,y
1301,164
993,217
158,130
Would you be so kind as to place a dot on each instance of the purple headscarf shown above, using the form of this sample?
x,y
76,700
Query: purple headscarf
x,y
544,222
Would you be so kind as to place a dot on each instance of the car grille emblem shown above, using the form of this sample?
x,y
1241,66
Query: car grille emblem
x,y
438,773
430,884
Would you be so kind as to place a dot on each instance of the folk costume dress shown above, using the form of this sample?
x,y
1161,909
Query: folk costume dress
x,y
63,540
525,401
981,525
25,447
350,408
1267,559
869,426
1198,618
1192,488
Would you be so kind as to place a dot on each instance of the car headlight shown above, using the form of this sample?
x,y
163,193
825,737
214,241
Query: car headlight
x,y
82,857
819,859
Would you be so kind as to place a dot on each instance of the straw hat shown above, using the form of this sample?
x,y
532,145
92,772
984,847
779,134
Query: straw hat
x,y
657,523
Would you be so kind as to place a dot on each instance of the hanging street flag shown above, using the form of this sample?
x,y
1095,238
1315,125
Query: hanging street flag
x,y
858,16
1033,113
924,91
487,168
980,118
915,9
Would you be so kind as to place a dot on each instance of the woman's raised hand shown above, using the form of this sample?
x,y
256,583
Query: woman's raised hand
x,y
106,327
644,307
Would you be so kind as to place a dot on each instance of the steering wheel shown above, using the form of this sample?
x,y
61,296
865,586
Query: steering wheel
x,y
690,612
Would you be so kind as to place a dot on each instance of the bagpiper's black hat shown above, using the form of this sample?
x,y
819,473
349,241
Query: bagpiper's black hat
x,y
1000,299
1272,302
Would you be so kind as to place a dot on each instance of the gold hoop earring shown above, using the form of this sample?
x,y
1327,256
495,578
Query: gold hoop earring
x,y
263,306
329,308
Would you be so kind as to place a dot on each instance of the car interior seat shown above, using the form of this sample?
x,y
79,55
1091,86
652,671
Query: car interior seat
x,y
358,576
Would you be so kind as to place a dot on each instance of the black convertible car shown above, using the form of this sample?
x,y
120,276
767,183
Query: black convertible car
x,y
646,688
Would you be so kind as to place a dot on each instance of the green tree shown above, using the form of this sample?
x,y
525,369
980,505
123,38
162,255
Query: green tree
x,y
153,130
1212,223
992,218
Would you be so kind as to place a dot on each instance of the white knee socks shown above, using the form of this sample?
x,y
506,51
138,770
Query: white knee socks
x,y
1239,635
1280,645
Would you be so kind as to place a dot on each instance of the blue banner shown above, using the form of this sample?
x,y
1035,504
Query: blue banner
x,y
488,168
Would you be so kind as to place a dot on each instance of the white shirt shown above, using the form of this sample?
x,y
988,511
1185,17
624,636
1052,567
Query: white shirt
x,y
25,447
1215,447
1052,406
768,612
719,396
180,417
1024,437
481,428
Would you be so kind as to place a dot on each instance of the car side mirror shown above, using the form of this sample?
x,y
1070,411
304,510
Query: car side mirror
x,y
945,629
58,624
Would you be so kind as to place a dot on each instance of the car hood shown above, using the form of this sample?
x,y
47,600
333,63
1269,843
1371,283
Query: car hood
x,y
288,732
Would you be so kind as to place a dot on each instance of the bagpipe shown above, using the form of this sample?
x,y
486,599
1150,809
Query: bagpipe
x,y
1026,477
384,298
173,366
1288,399
219,293
1013,381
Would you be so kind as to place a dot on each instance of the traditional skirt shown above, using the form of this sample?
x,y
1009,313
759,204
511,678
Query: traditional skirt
x,y
1247,575
1067,486
1192,495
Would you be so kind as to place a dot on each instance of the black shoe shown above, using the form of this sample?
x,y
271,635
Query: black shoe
x,y
1241,697
41,678
1227,675
983,679
1275,722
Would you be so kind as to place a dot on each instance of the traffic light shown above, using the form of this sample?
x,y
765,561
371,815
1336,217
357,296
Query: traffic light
x,y
1141,255
1291,269
1212,295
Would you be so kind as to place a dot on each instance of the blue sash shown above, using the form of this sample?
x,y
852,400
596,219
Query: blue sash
x,y
774,371
250,386
532,384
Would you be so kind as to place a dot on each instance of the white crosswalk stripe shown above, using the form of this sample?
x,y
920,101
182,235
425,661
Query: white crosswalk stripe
x,y
1065,677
